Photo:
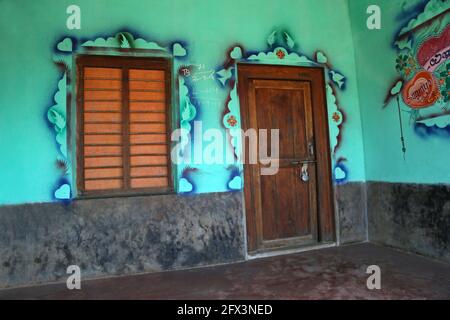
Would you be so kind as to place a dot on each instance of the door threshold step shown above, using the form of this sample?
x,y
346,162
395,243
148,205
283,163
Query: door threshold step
x,y
284,251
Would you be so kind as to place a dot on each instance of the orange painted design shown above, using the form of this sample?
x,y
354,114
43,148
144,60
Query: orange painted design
x,y
280,54
336,117
232,121
422,91
407,71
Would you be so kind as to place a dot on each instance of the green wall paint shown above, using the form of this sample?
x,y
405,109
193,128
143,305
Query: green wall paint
x,y
29,78
427,158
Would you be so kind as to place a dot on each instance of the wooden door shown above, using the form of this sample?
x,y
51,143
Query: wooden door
x,y
292,207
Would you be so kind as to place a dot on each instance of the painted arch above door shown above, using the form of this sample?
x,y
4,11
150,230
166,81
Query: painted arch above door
x,y
281,50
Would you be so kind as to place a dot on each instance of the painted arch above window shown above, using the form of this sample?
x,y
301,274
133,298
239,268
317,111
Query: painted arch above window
x,y
136,174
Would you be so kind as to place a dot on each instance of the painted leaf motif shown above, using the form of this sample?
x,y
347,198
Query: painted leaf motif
x,y
184,185
185,125
189,111
61,138
124,43
235,183
337,78
57,119
397,87
271,38
289,41
224,75
405,43
63,192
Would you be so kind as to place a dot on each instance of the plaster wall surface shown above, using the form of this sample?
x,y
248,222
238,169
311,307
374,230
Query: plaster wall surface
x,y
207,29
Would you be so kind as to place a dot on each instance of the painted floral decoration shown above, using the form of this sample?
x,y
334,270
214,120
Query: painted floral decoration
x,y
406,65
336,117
445,83
232,121
402,62
280,54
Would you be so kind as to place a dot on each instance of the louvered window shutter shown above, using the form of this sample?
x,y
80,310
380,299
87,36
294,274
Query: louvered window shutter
x,y
123,138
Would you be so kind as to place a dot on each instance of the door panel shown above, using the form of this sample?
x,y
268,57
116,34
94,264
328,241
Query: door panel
x,y
282,209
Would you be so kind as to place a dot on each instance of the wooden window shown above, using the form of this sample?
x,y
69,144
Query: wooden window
x,y
123,125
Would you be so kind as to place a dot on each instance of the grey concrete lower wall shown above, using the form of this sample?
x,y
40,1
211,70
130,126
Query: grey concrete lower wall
x,y
351,210
411,217
119,236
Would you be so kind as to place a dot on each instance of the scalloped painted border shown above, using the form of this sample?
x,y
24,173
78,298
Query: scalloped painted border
x,y
113,45
280,55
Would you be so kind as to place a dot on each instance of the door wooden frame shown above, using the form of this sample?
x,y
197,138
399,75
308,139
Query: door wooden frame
x,y
315,77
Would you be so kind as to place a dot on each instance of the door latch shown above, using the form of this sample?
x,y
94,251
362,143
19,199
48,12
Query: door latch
x,y
311,149
304,173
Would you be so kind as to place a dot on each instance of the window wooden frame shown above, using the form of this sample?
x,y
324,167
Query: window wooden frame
x,y
125,63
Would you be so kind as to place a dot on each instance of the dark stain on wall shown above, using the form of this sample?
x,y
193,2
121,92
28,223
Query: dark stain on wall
x,y
412,217
119,236
351,206
130,235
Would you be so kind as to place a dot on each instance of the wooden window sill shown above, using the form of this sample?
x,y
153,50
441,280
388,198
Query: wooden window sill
x,y
125,194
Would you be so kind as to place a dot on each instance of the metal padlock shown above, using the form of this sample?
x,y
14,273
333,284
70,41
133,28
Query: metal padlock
x,y
304,173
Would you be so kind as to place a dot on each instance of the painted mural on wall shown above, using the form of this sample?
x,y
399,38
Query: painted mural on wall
x,y
423,52
281,50
196,86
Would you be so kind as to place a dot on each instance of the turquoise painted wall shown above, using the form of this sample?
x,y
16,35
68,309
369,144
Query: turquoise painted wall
x,y
428,154
31,29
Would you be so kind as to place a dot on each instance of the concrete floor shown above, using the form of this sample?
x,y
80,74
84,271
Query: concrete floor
x,y
334,273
